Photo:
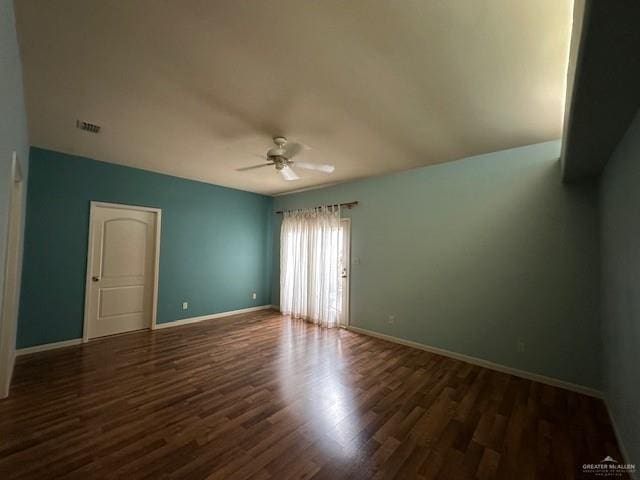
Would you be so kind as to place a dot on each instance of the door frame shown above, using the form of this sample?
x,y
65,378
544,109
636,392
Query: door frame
x,y
347,296
156,260
10,300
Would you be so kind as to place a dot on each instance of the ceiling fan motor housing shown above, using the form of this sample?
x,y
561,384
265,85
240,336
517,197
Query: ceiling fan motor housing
x,y
280,161
278,150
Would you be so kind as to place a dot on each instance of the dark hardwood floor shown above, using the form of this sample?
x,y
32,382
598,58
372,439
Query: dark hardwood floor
x,y
261,396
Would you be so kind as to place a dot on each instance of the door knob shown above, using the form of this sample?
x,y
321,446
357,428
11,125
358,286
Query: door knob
x,y
95,279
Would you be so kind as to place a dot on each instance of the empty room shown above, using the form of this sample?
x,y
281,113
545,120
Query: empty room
x,y
319,239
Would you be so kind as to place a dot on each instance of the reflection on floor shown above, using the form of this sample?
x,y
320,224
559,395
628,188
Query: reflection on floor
x,y
261,396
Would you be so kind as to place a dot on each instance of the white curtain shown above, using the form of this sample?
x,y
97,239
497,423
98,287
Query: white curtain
x,y
309,265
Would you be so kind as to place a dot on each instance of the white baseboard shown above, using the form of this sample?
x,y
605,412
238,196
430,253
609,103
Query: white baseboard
x,y
48,346
484,363
623,450
186,321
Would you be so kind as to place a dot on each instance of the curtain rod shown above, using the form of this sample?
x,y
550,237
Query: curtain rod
x,y
348,205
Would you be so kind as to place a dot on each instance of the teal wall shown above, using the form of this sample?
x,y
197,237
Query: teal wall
x,y
215,243
620,233
473,256
13,133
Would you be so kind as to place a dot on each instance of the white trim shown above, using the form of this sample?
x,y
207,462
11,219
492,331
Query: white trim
x,y
186,321
87,285
16,169
48,346
156,269
623,450
9,305
176,323
347,299
125,207
484,363
8,375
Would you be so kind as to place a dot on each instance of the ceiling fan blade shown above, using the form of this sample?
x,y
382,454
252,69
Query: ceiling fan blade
x,y
319,167
244,169
288,174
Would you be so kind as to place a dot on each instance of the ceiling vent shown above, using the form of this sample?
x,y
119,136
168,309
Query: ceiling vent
x,y
89,127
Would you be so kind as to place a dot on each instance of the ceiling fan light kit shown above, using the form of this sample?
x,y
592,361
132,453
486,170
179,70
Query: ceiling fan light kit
x,y
281,157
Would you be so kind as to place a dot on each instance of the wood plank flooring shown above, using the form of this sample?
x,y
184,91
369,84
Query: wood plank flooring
x,y
260,396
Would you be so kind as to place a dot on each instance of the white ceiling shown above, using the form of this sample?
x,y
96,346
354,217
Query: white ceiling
x,y
198,88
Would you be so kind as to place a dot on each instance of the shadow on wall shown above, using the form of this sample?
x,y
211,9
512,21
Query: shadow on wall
x,y
620,233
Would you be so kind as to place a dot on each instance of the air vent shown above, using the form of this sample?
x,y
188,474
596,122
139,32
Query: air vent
x,y
89,127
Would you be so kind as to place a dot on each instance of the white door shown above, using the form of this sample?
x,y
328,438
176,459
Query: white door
x,y
345,270
120,270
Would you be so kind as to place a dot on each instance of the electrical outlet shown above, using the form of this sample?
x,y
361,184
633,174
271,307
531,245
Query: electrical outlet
x,y
185,305
254,296
520,346
392,319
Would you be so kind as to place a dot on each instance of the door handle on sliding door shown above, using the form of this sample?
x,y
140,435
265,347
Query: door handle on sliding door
x,y
95,279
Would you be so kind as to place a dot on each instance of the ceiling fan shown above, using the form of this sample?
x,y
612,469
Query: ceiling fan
x,y
281,156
